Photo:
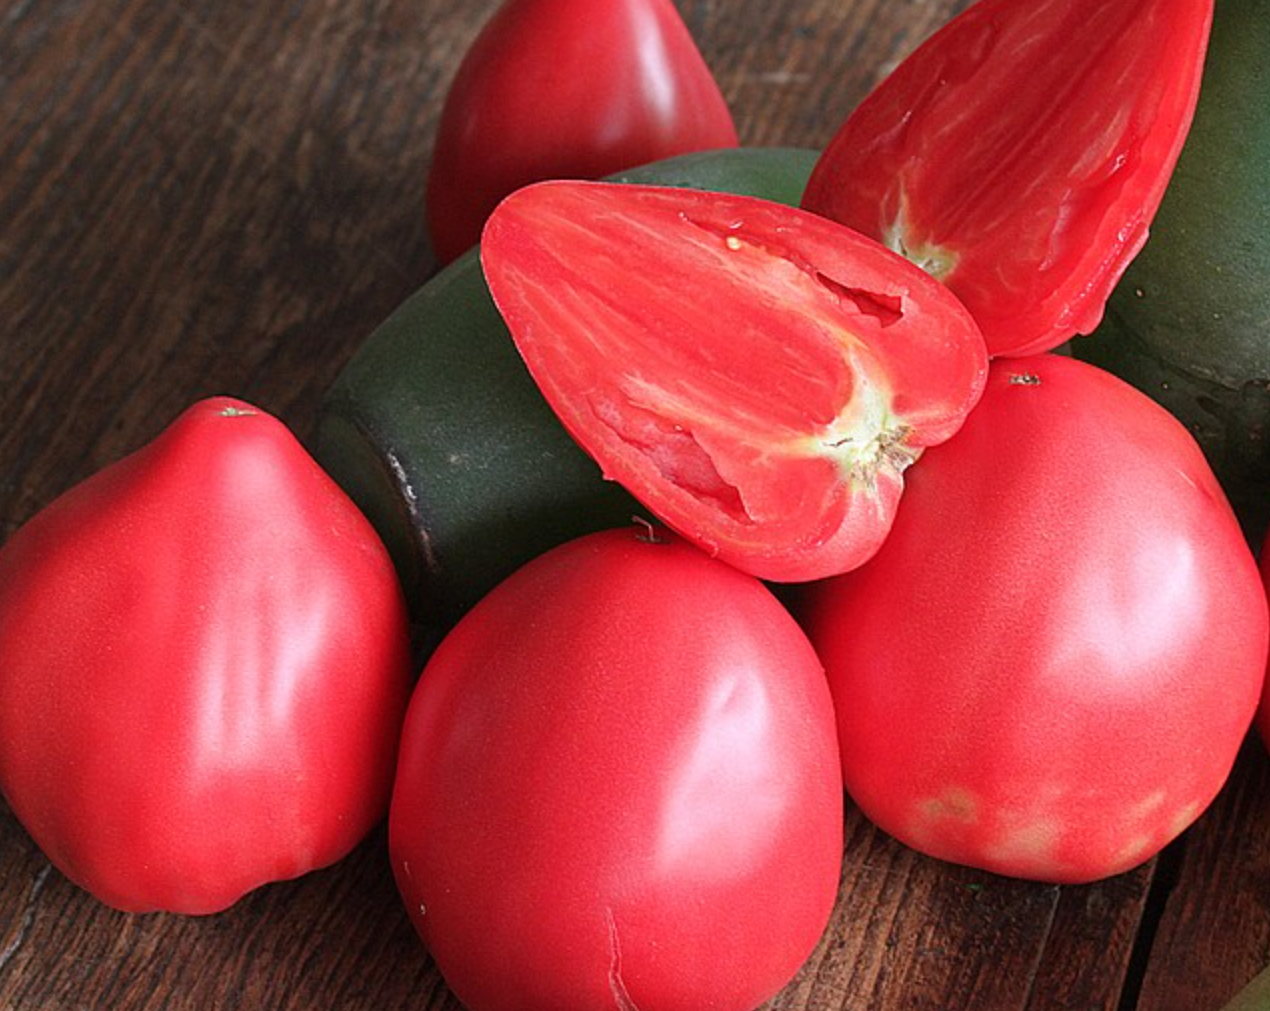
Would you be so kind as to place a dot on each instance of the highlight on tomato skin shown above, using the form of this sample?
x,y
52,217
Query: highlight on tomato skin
x,y
1020,154
758,376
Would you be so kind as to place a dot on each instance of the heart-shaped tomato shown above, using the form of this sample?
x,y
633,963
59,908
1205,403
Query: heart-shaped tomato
x,y
619,787
1049,667
203,668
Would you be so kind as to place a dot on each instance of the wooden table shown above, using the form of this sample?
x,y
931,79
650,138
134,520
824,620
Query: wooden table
x,y
219,196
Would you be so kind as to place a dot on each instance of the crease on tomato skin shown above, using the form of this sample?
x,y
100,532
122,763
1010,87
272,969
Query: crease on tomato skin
x,y
617,984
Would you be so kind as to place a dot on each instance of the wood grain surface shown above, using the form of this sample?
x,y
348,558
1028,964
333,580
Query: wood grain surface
x,y
222,196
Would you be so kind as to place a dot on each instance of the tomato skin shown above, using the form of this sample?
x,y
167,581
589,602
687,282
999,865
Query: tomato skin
x,y
619,784
1021,153
758,376
1066,624
565,89
203,668
1262,719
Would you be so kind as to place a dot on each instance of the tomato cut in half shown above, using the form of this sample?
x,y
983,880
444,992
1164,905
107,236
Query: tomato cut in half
x,y
758,376
1021,152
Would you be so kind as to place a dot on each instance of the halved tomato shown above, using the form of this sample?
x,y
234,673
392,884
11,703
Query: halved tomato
x,y
1021,152
758,376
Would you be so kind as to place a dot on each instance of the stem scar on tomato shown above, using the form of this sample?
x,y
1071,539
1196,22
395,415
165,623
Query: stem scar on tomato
x,y
1024,379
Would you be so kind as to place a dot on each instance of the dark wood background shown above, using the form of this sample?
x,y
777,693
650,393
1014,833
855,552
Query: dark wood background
x,y
224,196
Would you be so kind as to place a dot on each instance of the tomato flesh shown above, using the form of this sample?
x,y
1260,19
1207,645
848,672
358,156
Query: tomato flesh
x,y
757,376
1020,154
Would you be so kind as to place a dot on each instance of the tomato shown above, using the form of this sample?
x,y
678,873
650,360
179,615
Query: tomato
x,y
758,376
1048,668
566,88
1020,153
619,786
1262,719
203,668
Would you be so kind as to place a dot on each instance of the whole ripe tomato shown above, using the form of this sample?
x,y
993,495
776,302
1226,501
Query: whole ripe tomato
x,y
1048,668
1020,154
203,668
619,786
566,89
758,376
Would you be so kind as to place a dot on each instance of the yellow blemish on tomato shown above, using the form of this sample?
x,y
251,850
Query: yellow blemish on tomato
x,y
956,803
1185,817
1153,830
1133,852
1147,806
1033,844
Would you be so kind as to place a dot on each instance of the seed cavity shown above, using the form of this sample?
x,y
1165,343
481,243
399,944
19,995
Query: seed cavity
x,y
887,309
674,452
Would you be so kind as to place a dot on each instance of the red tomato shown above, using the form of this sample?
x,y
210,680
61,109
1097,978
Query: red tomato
x,y
759,377
1021,153
1049,667
566,88
203,668
619,787
1262,719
